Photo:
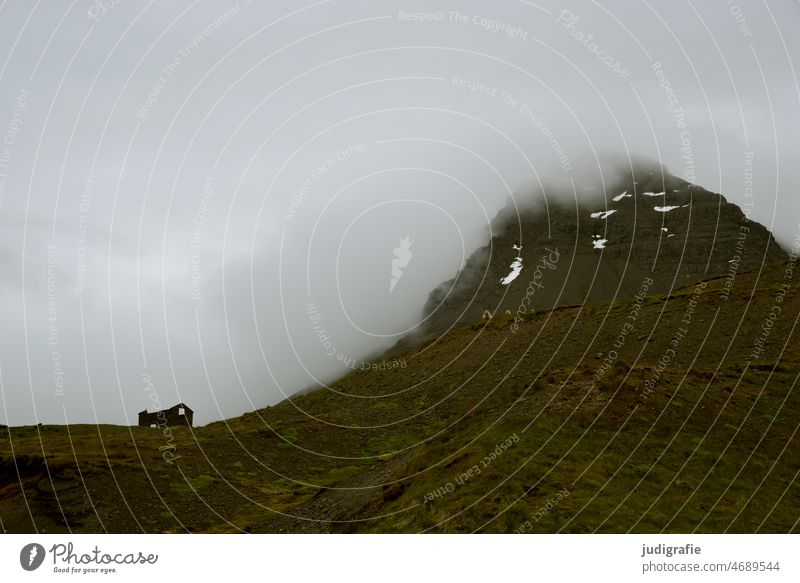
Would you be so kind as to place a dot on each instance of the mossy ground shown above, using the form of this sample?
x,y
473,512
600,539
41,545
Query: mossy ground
x,y
712,446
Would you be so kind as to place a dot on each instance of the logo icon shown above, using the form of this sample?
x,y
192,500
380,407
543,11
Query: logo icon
x,y
402,257
31,556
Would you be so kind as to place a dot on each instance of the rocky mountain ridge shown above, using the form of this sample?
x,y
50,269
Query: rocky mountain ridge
x,y
652,225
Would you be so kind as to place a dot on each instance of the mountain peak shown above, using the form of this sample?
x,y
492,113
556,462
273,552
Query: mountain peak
x,y
643,225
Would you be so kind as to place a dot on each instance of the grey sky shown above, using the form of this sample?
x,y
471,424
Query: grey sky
x,y
281,153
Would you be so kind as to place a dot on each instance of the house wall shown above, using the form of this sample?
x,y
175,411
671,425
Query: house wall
x,y
167,417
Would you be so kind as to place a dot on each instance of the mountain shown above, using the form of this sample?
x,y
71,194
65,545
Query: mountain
x,y
648,224
663,407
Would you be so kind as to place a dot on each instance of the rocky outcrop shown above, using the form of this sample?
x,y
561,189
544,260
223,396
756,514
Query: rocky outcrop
x,y
650,226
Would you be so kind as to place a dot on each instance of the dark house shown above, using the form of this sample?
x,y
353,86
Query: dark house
x,y
177,415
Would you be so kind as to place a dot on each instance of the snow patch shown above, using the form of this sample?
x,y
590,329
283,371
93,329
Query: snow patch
x,y
665,209
516,268
619,197
600,243
603,214
654,193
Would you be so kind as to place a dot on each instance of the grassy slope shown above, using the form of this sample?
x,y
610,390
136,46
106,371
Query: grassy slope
x,y
714,447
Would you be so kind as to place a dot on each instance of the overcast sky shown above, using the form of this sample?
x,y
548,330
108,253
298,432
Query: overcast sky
x,y
201,201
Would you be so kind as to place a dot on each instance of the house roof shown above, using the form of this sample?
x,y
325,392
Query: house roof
x,y
176,406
